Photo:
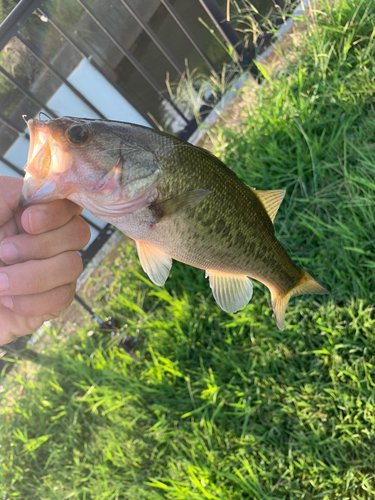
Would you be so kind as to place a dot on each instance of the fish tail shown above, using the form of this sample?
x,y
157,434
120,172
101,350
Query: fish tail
x,y
280,299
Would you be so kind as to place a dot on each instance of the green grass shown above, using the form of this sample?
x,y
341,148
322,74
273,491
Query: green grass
x,y
227,406
314,135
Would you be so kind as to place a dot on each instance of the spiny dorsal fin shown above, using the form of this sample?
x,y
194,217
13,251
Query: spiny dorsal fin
x,y
155,263
182,202
271,200
231,291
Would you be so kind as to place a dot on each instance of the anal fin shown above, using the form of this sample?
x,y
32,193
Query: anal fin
x,y
231,291
155,263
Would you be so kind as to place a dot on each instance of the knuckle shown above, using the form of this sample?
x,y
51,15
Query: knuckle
x,y
68,208
27,278
49,316
76,264
64,296
24,305
35,279
43,247
83,230
7,338
74,207
57,299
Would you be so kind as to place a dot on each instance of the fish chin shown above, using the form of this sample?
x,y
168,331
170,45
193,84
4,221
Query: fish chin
x,y
40,191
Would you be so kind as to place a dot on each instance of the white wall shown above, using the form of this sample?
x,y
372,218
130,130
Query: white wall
x,y
96,89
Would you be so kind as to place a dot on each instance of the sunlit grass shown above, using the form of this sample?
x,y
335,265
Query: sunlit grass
x,y
227,406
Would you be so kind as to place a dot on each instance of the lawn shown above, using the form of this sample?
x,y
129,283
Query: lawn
x,y
227,407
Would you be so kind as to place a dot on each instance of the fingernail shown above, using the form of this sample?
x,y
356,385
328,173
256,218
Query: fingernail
x,y
8,253
38,220
7,302
4,282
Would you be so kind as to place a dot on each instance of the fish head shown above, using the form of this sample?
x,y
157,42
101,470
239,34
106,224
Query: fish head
x,y
95,163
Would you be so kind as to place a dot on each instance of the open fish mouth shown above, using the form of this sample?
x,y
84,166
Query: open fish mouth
x,y
39,157
46,161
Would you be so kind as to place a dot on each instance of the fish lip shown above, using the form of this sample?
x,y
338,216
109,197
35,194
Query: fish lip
x,y
41,183
38,138
32,188
23,202
39,157
34,191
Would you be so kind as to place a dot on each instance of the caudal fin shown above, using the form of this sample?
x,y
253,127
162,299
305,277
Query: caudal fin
x,y
280,300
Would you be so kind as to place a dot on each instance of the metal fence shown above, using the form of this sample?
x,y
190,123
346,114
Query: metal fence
x,y
106,60
109,60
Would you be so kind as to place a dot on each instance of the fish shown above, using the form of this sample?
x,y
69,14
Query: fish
x,y
176,200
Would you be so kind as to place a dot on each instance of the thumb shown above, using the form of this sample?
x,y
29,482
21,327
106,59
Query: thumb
x,y
10,189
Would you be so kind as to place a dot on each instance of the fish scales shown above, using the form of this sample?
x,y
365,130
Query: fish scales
x,y
175,200
223,231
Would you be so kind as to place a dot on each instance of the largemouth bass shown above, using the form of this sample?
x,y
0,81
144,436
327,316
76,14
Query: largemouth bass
x,y
177,201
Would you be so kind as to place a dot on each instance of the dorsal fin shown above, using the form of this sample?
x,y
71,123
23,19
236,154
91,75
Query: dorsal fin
x,y
271,200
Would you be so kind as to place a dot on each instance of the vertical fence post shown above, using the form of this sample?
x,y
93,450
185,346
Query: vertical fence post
x,y
226,30
190,37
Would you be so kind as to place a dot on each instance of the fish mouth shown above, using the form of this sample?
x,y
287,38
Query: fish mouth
x,y
34,192
45,162
39,151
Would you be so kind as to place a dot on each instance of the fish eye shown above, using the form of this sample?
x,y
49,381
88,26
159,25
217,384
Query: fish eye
x,y
78,134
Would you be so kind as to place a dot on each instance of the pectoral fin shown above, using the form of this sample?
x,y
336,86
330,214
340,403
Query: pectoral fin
x,y
155,263
232,292
271,200
181,203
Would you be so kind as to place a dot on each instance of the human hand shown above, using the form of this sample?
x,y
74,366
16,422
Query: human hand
x,y
38,280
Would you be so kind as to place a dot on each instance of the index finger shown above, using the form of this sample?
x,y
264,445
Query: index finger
x,y
45,217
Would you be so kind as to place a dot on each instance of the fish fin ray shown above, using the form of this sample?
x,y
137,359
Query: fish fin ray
x,y
179,204
271,200
280,300
232,292
155,263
